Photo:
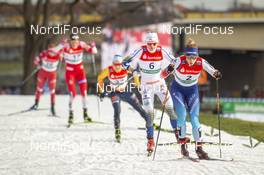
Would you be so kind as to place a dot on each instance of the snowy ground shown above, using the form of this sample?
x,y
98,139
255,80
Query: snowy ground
x,y
36,143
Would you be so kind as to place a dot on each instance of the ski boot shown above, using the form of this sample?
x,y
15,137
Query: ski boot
x,y
200,152
177,133
35,106
70,121
183,144
52,109
150,146
118,135
86,118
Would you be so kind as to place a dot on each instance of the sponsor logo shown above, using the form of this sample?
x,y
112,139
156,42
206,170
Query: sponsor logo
x,y
182,70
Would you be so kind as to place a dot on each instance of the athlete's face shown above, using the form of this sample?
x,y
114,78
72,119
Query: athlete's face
x,y
74,43
50,51
191,59
152,47
117,67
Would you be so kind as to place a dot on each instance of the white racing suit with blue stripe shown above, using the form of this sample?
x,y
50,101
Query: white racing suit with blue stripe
x,y
185,96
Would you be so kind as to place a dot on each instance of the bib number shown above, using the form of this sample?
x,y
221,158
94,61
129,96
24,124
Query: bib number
x,y
189,77
151,65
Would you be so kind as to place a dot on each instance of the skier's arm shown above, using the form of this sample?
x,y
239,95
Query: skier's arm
x,y
211,70
168,58
170,69
90,48
37,60
100,79
61,46
135,78
131,62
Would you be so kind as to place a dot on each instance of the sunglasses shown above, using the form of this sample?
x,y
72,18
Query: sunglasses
x,y
151,44
192,57
117,64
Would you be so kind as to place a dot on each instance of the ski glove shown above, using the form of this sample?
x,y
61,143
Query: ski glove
x,y
217,74
102,95
126,65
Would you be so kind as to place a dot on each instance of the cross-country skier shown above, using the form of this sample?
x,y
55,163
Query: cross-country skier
x,y
47,61
151,58
118,82
185,94
73,56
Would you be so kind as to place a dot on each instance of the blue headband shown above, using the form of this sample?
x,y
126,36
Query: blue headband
x,y
191,51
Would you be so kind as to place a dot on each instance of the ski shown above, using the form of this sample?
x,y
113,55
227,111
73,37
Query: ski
x,y
193,142
190,158
69,125
91,122
161,129
87,123
57,116
27,110
219,159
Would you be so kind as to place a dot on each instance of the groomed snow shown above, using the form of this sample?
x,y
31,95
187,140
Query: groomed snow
x,y
36,143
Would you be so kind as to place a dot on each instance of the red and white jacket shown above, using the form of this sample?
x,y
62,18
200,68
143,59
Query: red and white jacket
x,y
74,56
187,75
150,64
48,60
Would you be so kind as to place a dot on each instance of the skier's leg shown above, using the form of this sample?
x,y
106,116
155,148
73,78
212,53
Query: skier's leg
x,y
117,109
165,96
179,105
70,80
148,100
194,109
41,78
134,102
82,82
52,88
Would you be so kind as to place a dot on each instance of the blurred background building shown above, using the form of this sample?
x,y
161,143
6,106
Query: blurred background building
x,y
240,56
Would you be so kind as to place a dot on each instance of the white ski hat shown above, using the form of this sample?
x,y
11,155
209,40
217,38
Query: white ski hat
x,y
117,59
151,37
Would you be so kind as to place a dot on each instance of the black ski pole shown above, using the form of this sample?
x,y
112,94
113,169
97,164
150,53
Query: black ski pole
x,y
218,116
30,76
98,101
162,114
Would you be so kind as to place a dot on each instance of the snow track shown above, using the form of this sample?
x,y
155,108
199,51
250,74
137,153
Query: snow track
x,y
35,143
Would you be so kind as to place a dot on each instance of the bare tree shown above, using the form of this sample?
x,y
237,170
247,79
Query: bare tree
x,y
38,13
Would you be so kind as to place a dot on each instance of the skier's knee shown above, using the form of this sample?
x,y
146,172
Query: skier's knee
x,y
195,122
